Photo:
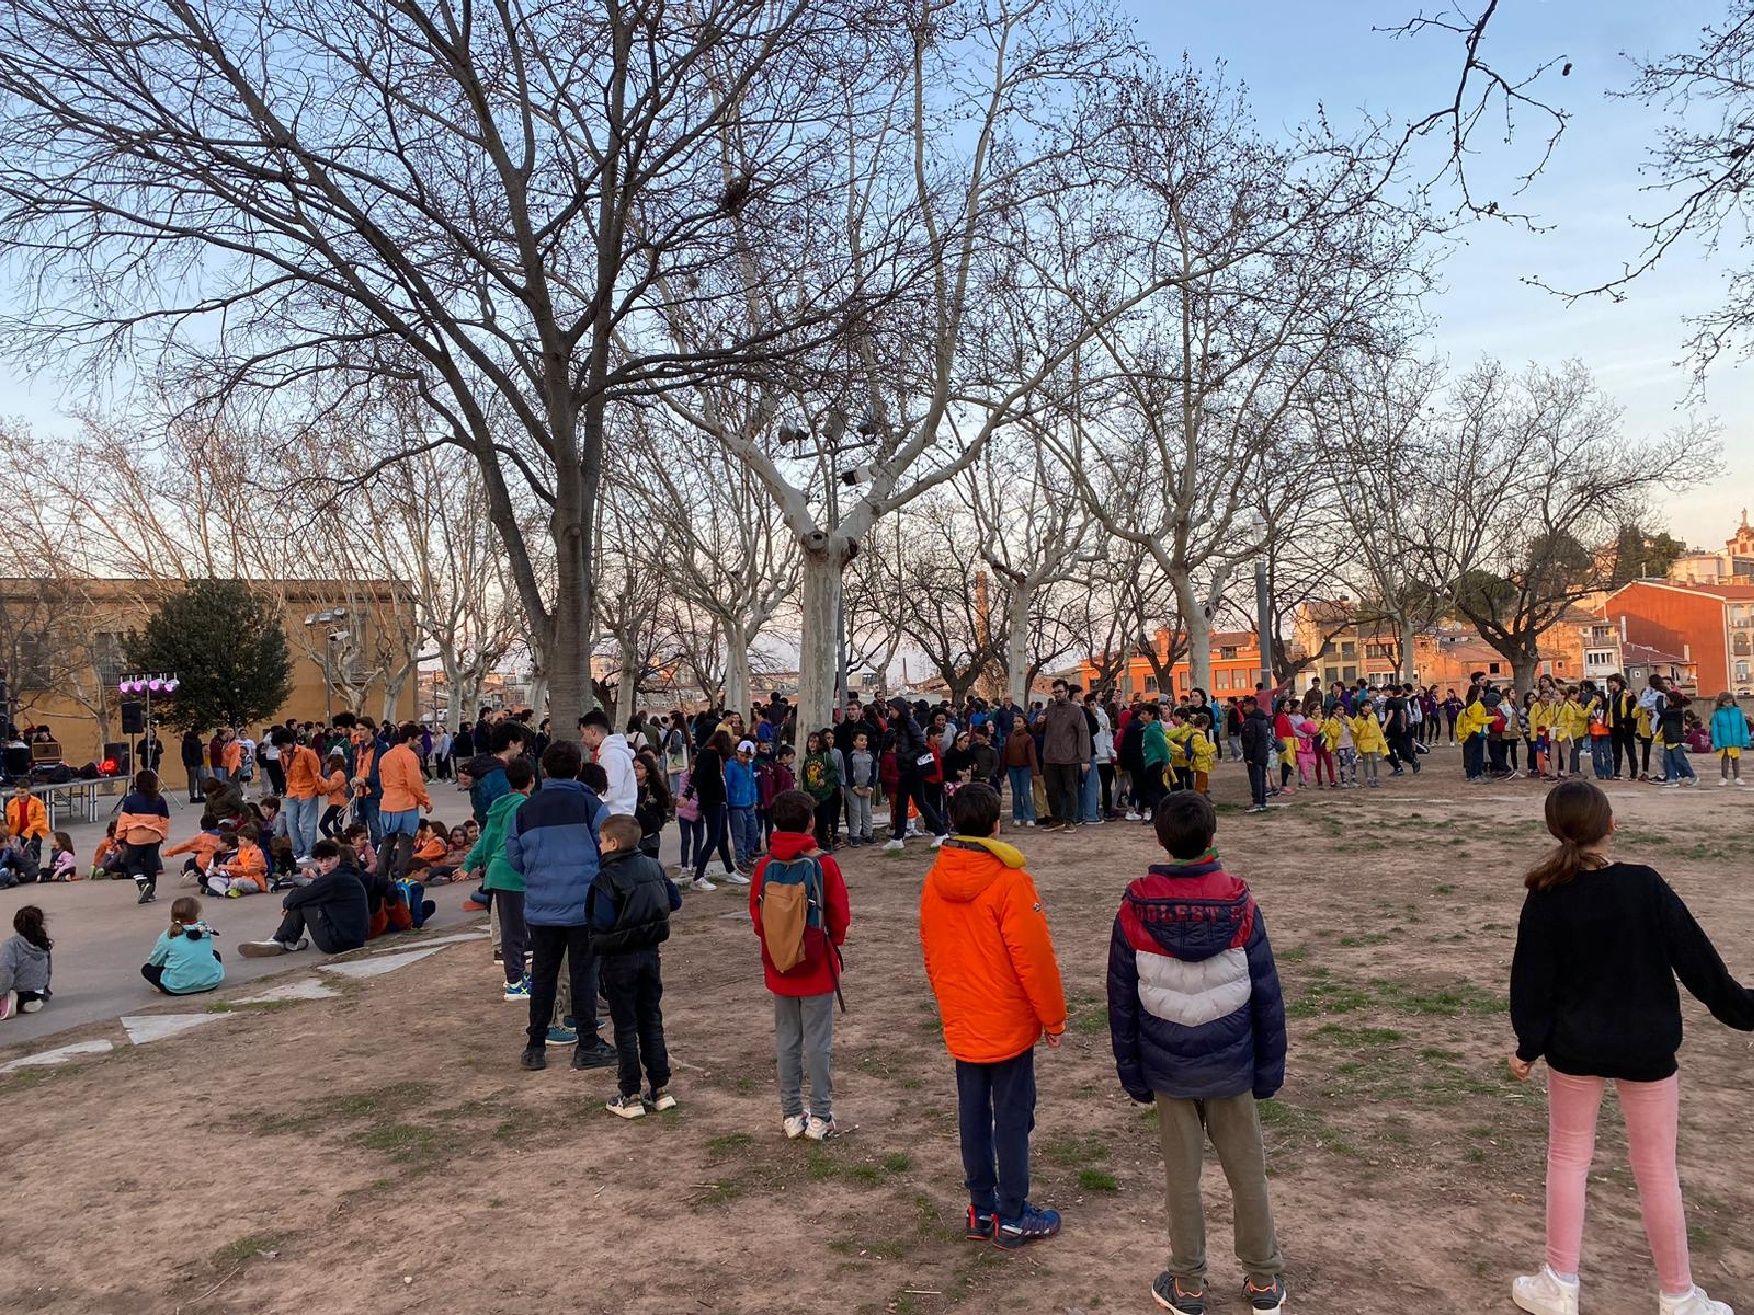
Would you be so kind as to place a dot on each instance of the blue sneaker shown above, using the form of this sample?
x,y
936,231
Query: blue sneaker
x,y
562,1036
518,992
1031,1226
979,1227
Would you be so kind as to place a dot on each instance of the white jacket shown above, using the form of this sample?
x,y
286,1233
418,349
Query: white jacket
x,y
616,759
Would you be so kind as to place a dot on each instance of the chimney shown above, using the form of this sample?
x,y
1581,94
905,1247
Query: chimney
x,y
1622,627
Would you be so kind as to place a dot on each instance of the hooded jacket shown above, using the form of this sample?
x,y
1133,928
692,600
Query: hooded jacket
x,y
988,952
615,757
487,783
1195,1009
630,903
143,821
552,840
820,970
25,966
1066,738
338,898
488,852
190,962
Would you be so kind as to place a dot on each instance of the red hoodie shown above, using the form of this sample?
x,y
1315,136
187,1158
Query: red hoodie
x,y
816,975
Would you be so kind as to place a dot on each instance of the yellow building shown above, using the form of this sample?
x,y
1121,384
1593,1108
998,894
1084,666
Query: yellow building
x,y
354,647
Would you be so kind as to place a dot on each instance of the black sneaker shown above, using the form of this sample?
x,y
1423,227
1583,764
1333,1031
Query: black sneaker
x,y
593,1054
1265,1299
533,1060
979,1227
1168,1293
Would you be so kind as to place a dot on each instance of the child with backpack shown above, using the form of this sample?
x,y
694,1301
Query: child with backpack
x,y
799,908
1197,1020
185,961
991,964
1599,946
629,907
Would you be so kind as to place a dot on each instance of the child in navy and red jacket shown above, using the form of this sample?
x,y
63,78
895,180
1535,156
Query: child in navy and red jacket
x,y
1198,1024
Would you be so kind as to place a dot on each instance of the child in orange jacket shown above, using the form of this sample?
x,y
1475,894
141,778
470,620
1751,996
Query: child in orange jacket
x,y
242,871
991,964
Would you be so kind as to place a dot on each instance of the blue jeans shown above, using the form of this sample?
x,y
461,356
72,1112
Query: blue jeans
x,y
1675,764
366,811
745,834
1602,756
301,823
995,1113
1474,757
1089,795
1022,794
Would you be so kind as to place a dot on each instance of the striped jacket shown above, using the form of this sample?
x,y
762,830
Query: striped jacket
x,y
1194,1005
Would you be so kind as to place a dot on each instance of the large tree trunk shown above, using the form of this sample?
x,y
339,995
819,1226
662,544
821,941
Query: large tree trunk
x,y
627,688
1017,653
1408,636
1198,628
737,679
1525,668
568,652
819,599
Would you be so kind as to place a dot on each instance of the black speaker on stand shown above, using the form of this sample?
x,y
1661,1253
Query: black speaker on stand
x,y
121,753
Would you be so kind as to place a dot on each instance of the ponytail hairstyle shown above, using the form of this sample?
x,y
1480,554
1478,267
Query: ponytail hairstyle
x,y
185,912
1579,815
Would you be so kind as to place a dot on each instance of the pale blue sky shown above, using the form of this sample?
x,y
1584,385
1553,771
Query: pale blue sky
x,y
1294,54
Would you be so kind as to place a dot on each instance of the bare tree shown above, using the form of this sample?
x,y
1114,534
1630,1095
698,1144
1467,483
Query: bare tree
x,y
486,205
1280,260
1033,532
1547,444
940,611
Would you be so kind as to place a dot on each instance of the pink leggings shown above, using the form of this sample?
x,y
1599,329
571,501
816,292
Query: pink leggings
x,y
1652,1111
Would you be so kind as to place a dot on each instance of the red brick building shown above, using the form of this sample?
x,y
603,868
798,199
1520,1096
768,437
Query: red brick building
x,y
1709,625
1236,668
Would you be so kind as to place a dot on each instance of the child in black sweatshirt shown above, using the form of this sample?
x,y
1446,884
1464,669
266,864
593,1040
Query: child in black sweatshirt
x,y
1592,988
629,907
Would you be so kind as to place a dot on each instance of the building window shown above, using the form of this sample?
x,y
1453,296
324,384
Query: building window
x,y
1227,653
1181,681
1492,669
1348,648
1221,680
1351,675
1151,684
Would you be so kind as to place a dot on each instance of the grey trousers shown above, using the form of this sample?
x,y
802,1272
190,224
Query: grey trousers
x,y
803,1030
1235,1128
858,815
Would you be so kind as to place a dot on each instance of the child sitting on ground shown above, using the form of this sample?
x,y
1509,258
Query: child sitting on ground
x,y
106,859
185,961
241,868
63,864
991,964
805,975
1600,943
202,847
1197,1020
26,964
629,908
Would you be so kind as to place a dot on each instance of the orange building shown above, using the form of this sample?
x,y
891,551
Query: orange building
x,y
1711,624
1236,668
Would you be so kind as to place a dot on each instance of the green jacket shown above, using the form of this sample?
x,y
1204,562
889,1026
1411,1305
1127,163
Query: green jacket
x,y
1155,746
490,848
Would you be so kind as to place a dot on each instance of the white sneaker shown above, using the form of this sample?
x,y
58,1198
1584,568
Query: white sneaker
x,y
1738,781
1692,1303
1723,782
795,1125
736,879
1031,822
1545,1293
701,883
938,841
823,1129
894,847
261,949
30,1006
1134,817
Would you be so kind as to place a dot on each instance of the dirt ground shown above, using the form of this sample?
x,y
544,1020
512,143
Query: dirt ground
x,y
382,1152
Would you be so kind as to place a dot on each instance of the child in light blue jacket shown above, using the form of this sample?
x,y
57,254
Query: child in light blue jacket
x,y
1729,738
185,960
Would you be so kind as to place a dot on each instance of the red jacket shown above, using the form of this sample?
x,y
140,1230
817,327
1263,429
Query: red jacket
x,y
816,975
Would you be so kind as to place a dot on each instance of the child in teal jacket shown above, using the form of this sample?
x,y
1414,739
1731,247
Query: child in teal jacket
x,y
1729,737
185,961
